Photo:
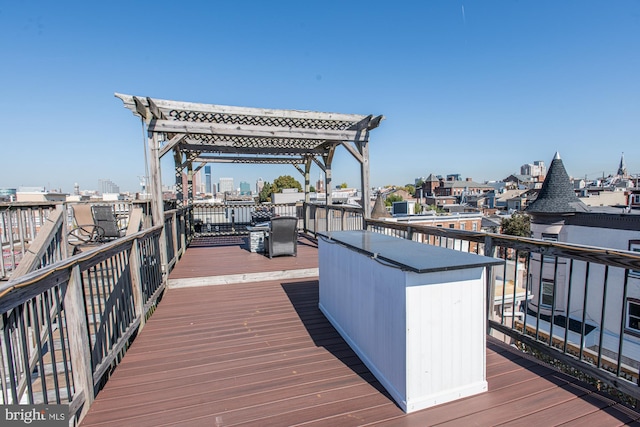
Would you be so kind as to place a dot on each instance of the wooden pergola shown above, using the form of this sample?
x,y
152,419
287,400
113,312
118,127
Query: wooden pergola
x,y
198,134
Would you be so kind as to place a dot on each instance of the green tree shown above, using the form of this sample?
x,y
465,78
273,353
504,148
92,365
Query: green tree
x,y
265,193
411,189
343,185
285,181
392,198
435,208
312,189
518,225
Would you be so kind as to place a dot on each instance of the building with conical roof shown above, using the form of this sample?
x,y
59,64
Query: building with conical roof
x,y
557,195
557,215
622,168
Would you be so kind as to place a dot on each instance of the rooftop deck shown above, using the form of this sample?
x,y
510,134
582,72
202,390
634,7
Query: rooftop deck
x,y
259,352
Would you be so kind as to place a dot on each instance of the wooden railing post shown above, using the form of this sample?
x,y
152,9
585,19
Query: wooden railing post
x,y
136,283
79,344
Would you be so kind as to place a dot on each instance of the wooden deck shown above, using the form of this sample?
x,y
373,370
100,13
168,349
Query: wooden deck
x,y
260,353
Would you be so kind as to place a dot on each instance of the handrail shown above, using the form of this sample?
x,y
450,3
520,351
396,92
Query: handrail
x,y
88,307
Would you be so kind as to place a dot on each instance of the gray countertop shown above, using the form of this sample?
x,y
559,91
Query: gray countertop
x,y
407,254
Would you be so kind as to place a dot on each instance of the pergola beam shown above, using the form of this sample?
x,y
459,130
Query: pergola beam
x,y
258,160
252,131
171,144
229,149
169,105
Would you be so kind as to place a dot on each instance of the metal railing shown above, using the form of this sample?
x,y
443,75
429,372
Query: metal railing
x,y
233,218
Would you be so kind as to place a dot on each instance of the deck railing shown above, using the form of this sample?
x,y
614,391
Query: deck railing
x,y
48,222
321,218
231,218
19,225
65,326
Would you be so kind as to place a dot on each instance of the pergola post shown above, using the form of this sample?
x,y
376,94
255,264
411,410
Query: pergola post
x,y
189,182
365,180
177,158
307,181
157,202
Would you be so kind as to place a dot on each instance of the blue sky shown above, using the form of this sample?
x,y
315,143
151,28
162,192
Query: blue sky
x,y
476,88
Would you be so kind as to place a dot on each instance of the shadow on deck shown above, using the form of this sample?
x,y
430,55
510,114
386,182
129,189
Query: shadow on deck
x,y
261,353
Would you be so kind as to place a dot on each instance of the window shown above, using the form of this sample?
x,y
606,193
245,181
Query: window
x,y
474,226
634,246
547,292
452,226
462,227
633,315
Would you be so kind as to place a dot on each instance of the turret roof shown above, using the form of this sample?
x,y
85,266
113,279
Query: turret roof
x,y
557,194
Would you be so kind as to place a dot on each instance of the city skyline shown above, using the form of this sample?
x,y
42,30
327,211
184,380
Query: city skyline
x,y
229,181
465,87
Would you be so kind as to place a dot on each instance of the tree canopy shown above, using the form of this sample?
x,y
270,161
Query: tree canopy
x,y
280,183
518,225
392,198
285,181
265,193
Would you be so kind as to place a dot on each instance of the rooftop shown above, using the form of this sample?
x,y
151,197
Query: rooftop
x,y
256,350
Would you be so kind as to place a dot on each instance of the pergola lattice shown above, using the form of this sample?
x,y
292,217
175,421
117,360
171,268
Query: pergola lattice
x,y
198,134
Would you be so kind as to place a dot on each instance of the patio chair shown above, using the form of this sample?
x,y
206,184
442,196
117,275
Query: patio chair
x,y
282,237
93,225
105,218
85,230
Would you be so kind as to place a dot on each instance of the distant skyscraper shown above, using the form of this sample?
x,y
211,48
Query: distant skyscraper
x,y
108,186
259,185
226,185
245,189
536,169
207,179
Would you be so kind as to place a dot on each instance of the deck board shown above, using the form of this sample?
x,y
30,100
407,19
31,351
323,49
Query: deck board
x,y
262,353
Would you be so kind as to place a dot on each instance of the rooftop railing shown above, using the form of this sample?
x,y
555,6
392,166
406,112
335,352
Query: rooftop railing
x,y
66,325
33,235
